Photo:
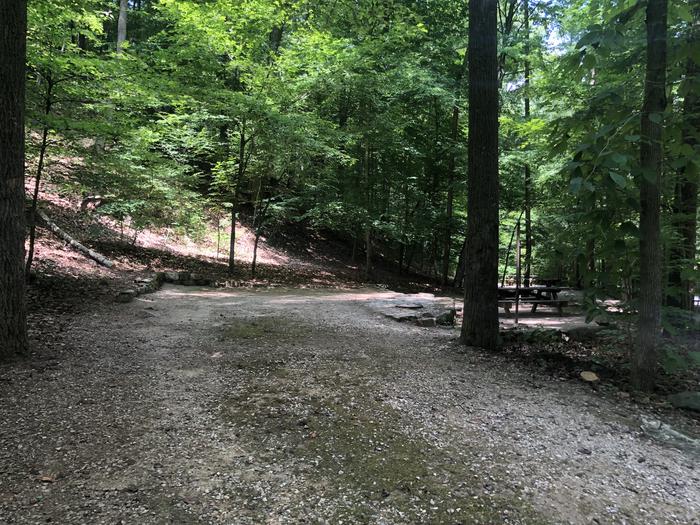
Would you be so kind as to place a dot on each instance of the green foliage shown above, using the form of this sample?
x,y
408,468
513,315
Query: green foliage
x,y
340,114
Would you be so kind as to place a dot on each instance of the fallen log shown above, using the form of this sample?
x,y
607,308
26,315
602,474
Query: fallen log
x,y
101,259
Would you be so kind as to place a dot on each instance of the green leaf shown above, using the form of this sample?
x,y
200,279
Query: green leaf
x,y
618,179
657,118
575,185
619,158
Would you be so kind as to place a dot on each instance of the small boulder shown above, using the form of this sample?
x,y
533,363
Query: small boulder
x,y
426,322
447,318
200,280
126,296
171,277
687,400
589,377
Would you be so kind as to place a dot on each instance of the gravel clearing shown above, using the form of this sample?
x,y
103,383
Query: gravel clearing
x,y
309,406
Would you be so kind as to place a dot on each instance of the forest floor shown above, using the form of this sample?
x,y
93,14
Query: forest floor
x,y
291,405
291,398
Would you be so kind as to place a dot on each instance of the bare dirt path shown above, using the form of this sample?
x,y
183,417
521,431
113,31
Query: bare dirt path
x,y
308,406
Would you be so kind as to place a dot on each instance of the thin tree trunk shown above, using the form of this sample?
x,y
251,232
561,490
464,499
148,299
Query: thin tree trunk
x,y
528,176
97,257
590,264
37,181
480,324
447,244
232,244
685,207
510,245
255,255
369,269
218,235
459,272
121,24
13,311
234,199
644,358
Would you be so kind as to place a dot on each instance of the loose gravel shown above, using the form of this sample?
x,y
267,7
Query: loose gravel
x,y
309,406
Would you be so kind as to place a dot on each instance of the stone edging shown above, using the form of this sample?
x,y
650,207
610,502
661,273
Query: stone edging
x,y
152,284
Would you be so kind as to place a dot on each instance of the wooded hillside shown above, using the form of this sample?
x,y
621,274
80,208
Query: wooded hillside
x,y
351,118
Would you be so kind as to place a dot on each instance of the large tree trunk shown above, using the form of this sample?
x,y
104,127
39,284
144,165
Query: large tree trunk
x,y
13,313
480,325
685,207
644,358
121,24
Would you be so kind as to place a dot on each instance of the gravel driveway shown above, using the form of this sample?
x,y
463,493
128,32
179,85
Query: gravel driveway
x,y
308,406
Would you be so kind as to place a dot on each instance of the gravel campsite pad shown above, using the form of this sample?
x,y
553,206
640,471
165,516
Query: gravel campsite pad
x,y
309,406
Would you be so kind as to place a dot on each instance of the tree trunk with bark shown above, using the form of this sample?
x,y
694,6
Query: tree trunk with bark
x,y
97,257
232,243
459,271
13,312
121,24
480,324
685,208
644,358
528,174
48,102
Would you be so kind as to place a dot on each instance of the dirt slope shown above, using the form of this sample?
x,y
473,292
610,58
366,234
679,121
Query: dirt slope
x,y
308,406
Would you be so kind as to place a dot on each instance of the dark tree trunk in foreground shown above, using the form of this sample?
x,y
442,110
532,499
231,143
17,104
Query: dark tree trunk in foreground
x,y
644,358
480,326
13,315
685,207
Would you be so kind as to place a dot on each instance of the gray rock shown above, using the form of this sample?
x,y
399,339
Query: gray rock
x,y
446,318
126,296
200,280
688,400
171,277
426,321
400,316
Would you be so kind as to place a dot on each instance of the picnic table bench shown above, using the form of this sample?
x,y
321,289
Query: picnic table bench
x,y
532,295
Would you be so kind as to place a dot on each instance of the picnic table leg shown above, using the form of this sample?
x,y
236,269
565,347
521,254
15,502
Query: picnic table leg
x,y
534,308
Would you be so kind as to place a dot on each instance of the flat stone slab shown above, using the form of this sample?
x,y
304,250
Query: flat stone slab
x,y
687,400
422,309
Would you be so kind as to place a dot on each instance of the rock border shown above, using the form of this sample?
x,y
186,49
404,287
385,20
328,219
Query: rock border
x,y
144,285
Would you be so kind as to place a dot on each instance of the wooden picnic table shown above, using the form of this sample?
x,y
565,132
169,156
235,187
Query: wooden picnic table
x,y
534,295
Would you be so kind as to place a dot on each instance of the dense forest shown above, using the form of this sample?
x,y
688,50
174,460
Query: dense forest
x,y
481,147
352,118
